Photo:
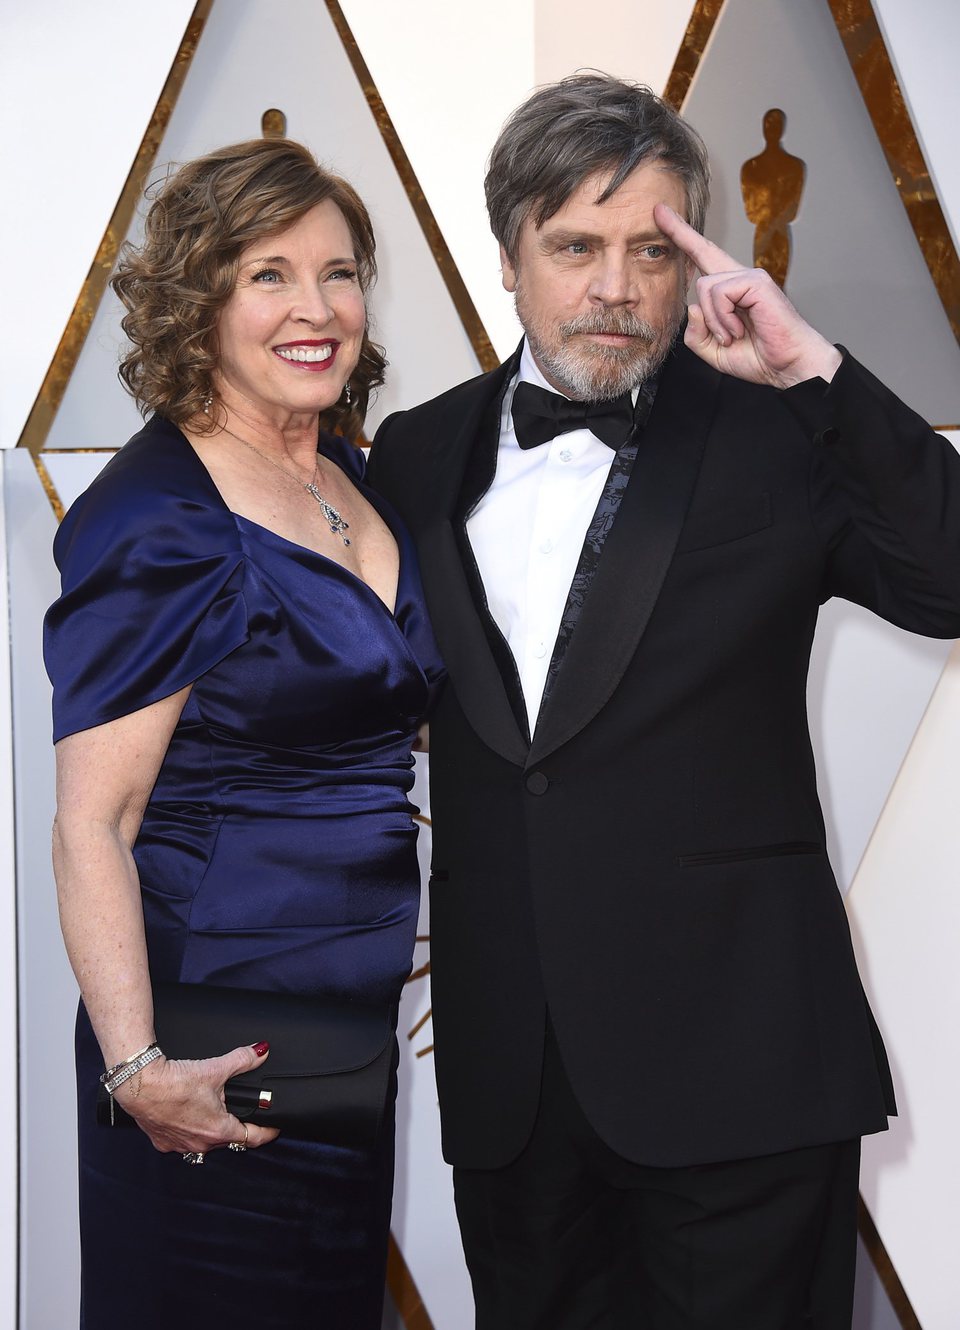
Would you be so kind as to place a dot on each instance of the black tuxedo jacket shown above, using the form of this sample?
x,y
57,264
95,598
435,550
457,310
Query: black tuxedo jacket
x,y
651,867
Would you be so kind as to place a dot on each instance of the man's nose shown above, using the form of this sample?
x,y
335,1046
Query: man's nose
x,y
614,280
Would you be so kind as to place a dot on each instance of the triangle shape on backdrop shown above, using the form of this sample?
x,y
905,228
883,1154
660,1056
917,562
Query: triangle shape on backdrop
x,y
228,88
856,269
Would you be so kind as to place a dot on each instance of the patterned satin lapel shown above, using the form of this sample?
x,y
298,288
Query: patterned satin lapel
x,y
599,529
636,555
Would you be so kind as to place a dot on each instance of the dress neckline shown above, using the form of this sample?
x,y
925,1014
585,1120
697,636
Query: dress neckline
x,y
366,492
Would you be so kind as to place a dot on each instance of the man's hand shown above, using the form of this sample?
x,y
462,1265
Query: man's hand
x,y
743,324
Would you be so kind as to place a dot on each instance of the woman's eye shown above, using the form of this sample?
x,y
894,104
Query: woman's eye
x,y
267,276
345,274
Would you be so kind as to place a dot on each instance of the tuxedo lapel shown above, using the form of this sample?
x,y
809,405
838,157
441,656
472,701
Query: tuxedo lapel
x,y
456,617
636,554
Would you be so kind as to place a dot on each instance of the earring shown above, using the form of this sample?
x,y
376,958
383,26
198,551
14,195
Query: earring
x,y
207,403
348,394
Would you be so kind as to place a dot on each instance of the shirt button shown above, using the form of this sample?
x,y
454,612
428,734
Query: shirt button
x,y
546,547
540,650
537,783
565,455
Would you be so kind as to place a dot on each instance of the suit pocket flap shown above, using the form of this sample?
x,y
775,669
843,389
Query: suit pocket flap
x,y
707,857
742,518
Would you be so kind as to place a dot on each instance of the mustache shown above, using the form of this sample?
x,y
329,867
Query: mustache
x,y
619,322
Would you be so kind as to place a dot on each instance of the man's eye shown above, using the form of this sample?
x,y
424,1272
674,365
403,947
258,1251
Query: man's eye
x,y
576,247
654,251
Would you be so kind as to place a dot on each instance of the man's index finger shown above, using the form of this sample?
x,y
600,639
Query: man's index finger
x,y
707,256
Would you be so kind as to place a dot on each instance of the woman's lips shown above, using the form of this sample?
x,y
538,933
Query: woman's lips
x,y
311,356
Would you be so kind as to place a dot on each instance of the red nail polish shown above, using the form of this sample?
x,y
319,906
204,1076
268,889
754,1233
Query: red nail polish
x,y
261,1048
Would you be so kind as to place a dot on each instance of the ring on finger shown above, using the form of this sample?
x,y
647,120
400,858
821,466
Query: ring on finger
x,y
239,1146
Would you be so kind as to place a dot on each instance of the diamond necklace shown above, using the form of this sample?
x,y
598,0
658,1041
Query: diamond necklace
x,y
334,520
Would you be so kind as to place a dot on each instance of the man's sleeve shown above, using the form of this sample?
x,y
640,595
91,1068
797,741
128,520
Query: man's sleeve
x,y
885,498
377,464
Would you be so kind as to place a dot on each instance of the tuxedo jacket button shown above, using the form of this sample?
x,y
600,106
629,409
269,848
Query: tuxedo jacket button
x,y
537,783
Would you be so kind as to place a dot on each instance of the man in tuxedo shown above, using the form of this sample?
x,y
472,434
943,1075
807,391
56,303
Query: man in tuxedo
x,y
654,1055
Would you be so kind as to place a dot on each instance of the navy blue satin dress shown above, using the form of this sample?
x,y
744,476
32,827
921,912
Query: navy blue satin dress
x,y
278,851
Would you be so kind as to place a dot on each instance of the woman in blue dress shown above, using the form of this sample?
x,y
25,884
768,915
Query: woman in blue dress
x,y
241,659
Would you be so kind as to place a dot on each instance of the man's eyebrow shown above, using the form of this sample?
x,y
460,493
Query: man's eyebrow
x,y
565,236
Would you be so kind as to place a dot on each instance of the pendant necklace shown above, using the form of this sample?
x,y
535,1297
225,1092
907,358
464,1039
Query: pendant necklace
x,y
332,515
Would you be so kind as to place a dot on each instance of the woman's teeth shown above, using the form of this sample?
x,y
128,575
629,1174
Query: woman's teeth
x,y
309,354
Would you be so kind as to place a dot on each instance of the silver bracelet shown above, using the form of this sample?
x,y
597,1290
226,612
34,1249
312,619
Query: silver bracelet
x,y
114,1077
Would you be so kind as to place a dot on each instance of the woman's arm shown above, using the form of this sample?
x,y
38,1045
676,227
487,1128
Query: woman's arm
x,y
104,778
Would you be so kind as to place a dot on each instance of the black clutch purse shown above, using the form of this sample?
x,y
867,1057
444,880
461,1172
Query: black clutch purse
x,y
328,1073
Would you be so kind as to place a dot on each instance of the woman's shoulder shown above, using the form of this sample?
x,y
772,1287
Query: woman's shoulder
x,y
155,481
156,465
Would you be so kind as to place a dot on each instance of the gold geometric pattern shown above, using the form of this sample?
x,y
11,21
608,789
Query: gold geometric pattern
x,y
55,382
885,1271
462,300
704,16
882,95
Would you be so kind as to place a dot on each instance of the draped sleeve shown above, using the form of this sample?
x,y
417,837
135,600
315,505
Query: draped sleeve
x,y
152,578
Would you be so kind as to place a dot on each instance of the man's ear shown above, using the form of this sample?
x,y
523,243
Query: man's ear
x,y
508,271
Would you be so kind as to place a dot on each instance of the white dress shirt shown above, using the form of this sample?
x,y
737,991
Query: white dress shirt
x,y
528,530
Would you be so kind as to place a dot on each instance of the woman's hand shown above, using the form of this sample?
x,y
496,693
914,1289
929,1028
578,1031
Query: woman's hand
x,y
181,1104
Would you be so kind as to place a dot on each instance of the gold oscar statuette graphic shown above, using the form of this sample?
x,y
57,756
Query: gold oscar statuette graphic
x,y
273,124
771,184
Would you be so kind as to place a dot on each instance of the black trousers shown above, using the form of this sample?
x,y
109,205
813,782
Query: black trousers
x,y
571,1236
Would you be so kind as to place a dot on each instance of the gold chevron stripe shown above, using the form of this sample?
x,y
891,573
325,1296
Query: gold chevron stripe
x,y
403,1290
884,1267
872,68
54,385
49,488
472,323
704,16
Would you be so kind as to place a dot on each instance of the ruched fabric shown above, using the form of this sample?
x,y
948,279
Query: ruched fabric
x,y
277,851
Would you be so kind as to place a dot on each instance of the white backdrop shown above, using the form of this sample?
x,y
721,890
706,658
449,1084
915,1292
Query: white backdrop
x,y
78,86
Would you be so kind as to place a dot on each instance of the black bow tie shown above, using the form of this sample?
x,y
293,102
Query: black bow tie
x,y
539,416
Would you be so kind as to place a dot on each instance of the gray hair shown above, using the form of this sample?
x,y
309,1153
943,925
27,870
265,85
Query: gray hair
x,y
569,131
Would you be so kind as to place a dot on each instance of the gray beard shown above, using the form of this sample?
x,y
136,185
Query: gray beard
x,y
598,374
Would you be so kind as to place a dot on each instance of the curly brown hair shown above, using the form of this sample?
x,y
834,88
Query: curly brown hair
x,y
175,284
